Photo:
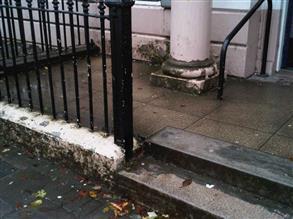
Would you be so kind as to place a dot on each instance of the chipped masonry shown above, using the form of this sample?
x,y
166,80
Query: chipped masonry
x,y
92,152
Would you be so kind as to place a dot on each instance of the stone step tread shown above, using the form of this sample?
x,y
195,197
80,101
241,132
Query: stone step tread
x,y
233,156
222,200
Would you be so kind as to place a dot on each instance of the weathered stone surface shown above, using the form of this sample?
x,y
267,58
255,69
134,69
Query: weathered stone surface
x,y
161,184
193,86
190,70
261,173
91,152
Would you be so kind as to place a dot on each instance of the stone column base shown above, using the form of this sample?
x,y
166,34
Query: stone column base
x,y
189,70
191,77
193,86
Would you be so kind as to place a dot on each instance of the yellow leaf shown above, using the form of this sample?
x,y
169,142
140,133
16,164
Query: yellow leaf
x,y
37,203
106,209
40,194
93,194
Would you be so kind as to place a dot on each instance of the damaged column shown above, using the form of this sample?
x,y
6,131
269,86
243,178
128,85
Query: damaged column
x,y
189,67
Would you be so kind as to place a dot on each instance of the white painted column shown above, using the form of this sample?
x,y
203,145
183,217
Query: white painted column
x,y
190,30
189,67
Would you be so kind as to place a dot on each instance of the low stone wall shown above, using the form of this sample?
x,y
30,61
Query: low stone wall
x,y
93,153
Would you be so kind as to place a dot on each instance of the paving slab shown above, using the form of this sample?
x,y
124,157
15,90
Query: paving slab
x,y
242,90
185,103
287,129
230,133
150,119
262,117
144,92
279,146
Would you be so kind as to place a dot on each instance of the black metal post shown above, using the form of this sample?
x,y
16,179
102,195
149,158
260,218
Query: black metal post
x,y
121,50
266,39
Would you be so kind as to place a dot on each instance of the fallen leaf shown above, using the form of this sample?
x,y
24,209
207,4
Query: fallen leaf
x,y
106,209
37,203
18,205
40,194
119,205
186,182
93,194
120,208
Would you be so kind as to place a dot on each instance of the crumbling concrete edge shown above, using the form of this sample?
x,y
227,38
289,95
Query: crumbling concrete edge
x,y
95,154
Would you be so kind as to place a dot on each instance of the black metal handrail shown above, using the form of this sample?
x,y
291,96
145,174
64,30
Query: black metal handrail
x,y
232,35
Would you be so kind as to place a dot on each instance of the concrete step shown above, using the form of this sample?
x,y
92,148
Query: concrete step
x,y
160,185
261,173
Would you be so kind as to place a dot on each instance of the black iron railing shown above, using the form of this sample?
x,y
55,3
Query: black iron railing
x,y
48,61
232,35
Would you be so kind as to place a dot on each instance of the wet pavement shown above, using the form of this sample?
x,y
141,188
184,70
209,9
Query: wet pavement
x,y
33,187
253,114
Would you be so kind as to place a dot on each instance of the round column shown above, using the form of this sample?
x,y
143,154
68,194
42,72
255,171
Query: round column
x,y
190,40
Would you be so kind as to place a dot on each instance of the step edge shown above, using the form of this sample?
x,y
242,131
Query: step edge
x,y
246,171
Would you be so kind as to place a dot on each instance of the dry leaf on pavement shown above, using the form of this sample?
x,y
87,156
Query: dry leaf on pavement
x,y
186,182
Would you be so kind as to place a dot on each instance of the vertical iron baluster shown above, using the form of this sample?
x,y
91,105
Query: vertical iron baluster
x,y
74,61
85,6
35,55
104,64
4,30
40,26
77,22
49,24
64,24
24,50
47,47
4,69
12,52
13,29
63,83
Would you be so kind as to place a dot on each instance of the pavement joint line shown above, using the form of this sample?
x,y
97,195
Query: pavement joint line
x,y
275,133
204,117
